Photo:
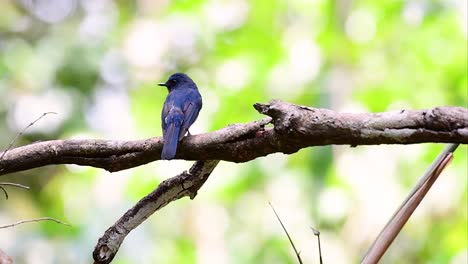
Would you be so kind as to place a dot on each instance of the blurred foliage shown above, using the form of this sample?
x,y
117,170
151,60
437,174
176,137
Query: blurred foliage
x,y
96,64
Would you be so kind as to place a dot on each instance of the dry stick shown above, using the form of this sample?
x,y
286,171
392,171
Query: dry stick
x,y
24,186
11,184
22,132
287,234
317,233
11,145
401,216
5,192
5,259
184,184
34,220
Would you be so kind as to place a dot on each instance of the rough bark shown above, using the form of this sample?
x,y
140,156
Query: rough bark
x,y
185,184
295,127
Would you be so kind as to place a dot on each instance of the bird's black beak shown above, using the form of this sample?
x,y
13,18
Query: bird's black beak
x,y
162,84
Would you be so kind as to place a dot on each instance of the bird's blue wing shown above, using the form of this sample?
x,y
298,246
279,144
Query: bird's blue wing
x,y
167,106
173,123
191,109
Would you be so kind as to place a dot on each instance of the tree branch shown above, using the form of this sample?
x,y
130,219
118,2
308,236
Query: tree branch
x,y
33,221
295,127
184,184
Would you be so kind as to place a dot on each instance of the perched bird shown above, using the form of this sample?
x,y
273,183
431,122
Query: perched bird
x,y
181,108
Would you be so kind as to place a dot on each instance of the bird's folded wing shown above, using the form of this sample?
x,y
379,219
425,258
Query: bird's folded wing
x,y
191,110
164,114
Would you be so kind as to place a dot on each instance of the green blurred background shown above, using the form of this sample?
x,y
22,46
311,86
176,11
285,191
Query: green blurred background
x,y
96,64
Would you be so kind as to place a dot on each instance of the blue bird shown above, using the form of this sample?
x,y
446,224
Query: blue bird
x,y
181,108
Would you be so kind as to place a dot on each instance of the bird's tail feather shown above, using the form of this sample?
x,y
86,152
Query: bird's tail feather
x,y
171,139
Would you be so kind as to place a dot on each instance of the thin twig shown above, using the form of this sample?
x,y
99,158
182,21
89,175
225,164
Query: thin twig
x,y
11,184
287,234
404,212
22,132
11,145
35,220
5,192
14,185
23,186
317,233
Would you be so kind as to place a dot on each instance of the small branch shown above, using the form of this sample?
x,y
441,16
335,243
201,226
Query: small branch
x,y
295,127
287,234
317,233
9,147
33,221
11,184
14,185
22,132
5,192
406,209
185,184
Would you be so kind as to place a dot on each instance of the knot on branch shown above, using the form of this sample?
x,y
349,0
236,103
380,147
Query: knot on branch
x,y
296,121
106,248
446,118
296,125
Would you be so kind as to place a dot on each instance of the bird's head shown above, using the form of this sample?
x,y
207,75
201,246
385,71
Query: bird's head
x,y
177,80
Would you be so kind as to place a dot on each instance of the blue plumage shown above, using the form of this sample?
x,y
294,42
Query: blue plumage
x,y
181,108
